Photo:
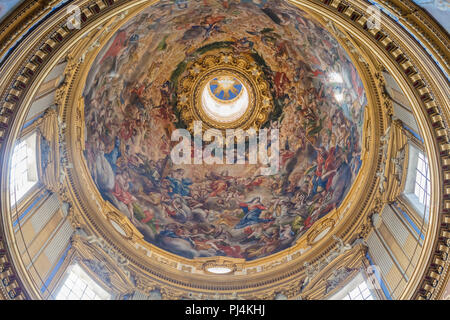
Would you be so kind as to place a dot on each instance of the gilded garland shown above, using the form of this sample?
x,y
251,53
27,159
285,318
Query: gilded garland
x,y
213,72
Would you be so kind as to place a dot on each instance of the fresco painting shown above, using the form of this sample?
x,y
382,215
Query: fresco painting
x,y
223,210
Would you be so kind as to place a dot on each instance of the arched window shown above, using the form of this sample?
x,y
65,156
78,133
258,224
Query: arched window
x,y
23,168
78,285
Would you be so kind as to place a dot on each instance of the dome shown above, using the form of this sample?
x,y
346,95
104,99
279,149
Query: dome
x,y
245,66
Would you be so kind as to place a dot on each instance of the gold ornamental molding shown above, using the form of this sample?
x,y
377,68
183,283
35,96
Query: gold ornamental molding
x,y
268,266
428,91
50,37
424,27
332,276
416,73
259,269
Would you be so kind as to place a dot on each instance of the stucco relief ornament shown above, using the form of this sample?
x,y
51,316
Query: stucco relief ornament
x,y
63,158
94,45
365,228
361,241
331,26
218,296
341,248
311,271
143,283
384,140
387,100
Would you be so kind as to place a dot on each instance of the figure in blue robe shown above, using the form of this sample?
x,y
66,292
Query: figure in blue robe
x,y
114,155
252,210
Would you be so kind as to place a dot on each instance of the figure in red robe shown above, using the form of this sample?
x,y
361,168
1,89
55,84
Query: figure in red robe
x,y
254,183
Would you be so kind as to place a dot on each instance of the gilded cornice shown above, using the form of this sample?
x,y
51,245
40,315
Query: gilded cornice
x,y
352,259
200,71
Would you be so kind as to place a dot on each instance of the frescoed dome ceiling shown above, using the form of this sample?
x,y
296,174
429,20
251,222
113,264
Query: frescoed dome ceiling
x,y
254,65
